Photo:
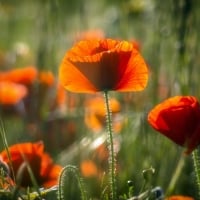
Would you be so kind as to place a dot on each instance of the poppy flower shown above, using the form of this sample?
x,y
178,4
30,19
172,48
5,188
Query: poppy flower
x,y
26,75
11,93
60,95
101,152
179,197
58,106
88,168
63,101
178,118
41,164
95,114
101,65
46,78
90,34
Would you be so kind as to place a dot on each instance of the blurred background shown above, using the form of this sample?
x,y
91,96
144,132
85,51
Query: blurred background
x,y
34,37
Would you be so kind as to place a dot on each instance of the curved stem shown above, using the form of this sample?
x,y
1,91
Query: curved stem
x,y
61,182
112,156
196,161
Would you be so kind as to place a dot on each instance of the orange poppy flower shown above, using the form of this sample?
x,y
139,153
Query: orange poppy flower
x,y
178,118
179,197
95,114
90,34
98,65
101,152
26,75
11,93
46,78
64,101
88,168
41,164
61,96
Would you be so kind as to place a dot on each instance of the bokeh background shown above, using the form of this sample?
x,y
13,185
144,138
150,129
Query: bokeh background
x,y
38,33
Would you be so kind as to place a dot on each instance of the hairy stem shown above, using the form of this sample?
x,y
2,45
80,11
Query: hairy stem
x,y
64,175
196,161
112,156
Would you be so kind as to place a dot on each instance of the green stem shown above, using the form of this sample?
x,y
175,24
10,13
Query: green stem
x,y
112,156
176,175
5,143
196,161
62,181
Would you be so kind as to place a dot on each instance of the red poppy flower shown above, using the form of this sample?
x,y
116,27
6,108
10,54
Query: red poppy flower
x,y
46,78
41,164
11,93
88,168
26,75
179,197
60,99
98,65
90,34
178,118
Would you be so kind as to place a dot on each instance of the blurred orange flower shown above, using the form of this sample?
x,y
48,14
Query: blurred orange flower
x,y
98,65
64,101
41,164
178,118
46,78
95,114
60,95
179,197
102,152
26,75
11,93
88,168
90,34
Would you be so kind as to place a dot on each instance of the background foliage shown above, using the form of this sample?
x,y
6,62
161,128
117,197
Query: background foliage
x,y
168,34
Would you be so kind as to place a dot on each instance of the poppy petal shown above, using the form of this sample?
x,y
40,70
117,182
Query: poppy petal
x,y
135,77
73,80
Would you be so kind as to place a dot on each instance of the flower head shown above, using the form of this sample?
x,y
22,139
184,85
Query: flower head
x,y
11,93
41,164
179,197
105,64
26,75
90,34
178,118
88,168
46,78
